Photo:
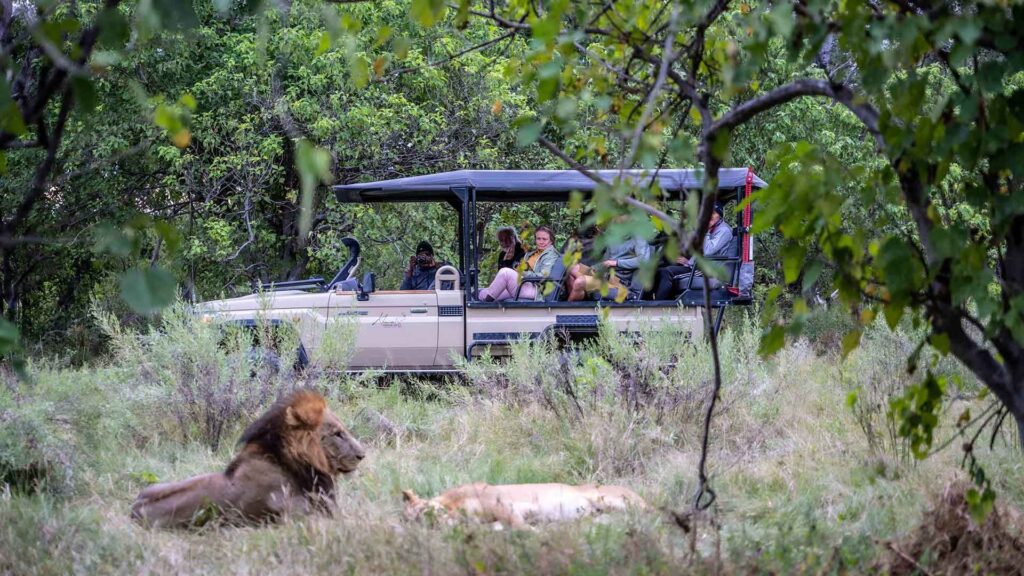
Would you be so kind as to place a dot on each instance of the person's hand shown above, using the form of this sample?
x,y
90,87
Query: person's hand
x,y
609,263
683,261
412,264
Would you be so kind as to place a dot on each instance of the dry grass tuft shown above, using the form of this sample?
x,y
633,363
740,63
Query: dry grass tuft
x,y
949,542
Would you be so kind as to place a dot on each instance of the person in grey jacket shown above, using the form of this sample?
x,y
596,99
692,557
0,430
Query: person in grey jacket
x,y
537,264
624,259
717,240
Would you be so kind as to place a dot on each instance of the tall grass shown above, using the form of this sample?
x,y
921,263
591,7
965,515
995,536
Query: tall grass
x,y
801,484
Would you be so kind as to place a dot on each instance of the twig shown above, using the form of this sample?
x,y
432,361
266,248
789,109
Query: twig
x,y
699,502
455,56
668,54
665,218
923,570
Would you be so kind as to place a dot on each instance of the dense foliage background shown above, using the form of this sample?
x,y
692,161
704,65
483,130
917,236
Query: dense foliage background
x,y
216,203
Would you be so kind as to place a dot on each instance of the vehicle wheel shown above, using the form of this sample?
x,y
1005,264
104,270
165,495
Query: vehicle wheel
x,y
269,359
301,359
263,360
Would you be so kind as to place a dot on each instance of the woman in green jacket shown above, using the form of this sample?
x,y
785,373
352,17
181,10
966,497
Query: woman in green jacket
x,y
537,262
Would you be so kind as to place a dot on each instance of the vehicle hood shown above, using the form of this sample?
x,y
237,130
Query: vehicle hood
x,y
266,301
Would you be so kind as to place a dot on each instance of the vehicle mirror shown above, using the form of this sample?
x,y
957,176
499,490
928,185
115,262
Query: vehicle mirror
x,y
367,286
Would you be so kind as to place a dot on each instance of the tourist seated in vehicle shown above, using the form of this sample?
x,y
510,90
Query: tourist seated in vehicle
x,y
536,264
615,270
422,267
715,244
511,250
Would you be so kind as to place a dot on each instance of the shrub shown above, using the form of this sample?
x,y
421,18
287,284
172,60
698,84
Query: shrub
x,y
51,420
205,376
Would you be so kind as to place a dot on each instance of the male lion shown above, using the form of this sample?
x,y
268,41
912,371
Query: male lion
x,y
516,505
287,465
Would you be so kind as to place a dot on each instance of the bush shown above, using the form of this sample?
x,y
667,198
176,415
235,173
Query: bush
x,y
205,376
51,420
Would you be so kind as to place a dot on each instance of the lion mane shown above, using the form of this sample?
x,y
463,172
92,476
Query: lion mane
x,y
287,464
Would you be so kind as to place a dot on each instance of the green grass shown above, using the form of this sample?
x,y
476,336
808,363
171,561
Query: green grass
x,y
800,486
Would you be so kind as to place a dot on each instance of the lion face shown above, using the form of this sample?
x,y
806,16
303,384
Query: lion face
x,y
417,508
344,452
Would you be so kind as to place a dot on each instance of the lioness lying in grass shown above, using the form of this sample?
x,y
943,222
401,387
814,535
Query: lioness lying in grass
x,y
518,505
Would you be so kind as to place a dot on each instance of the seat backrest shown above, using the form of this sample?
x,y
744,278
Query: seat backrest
x,y
556,275
732,251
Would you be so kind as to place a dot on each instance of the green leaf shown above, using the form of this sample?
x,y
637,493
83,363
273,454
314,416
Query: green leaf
x,y
9,336
811,274
314,166
148,290
113,27
893,313
851,341
188,101
169,234
176,14
528,133
980,503
427,12
10,115
85,94
940,341
917,413
359,72
792,261
324,44
112,240
462,15
712,268
772,340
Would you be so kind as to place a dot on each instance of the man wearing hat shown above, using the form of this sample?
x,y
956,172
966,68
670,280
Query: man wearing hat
x,y
422,266
717,240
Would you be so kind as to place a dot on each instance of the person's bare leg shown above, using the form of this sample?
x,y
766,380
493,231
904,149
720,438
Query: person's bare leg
x,y
579,289
570,278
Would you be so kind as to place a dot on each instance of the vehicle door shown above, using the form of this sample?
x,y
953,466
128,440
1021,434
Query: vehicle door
x,y
394,328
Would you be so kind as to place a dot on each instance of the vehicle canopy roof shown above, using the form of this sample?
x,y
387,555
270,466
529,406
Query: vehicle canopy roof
x,y
532,185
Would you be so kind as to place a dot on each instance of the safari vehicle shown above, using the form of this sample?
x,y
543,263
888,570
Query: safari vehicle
x,y
429,330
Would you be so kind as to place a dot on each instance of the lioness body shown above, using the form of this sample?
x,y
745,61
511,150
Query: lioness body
x,y
287,465
517,505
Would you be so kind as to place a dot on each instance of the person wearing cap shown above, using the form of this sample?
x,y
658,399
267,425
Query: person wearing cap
x,y
422,266
715,243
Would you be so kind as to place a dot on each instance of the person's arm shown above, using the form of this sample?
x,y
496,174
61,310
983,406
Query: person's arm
x,y
717,243
641,251
406,283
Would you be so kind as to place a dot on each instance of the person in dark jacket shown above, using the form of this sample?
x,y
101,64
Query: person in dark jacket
x,y
422,266
511,250
715,243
